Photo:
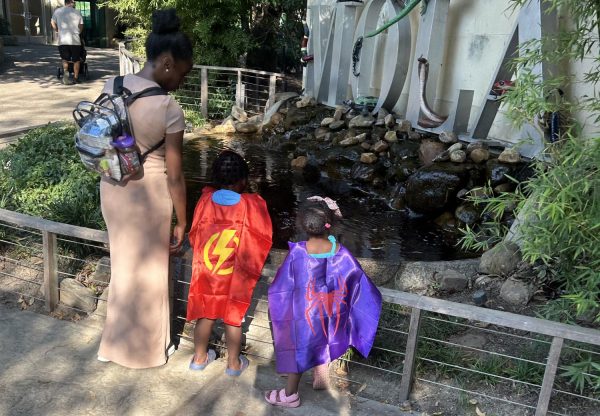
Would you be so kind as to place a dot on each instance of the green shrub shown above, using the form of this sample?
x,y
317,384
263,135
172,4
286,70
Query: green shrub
x,y
42,175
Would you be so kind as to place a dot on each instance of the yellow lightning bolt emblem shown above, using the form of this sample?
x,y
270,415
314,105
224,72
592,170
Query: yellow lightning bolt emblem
x,y
221,249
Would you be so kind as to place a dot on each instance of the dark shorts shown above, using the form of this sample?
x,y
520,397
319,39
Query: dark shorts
x,y
70,53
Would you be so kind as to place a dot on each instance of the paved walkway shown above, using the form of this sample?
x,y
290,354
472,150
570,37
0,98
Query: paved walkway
x,y
48,367
30,92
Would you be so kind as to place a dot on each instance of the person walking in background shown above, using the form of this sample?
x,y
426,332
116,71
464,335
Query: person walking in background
x,y
138,213
67,21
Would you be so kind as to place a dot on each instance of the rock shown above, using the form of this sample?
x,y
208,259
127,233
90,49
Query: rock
x,y
306,101
414,135
448,137
300,162
390,121
381,271
361,137
397,197
336,125
380,146
429,150
509,155
368,158
480,297
467,214
404,126
479,155
496,172
366,145
418,276
476,145
455,147
452,281
279,99
516,292
257,119
239,114
458,156
247,128
322,133
102,272
446,220
327,121
431,188
339,114
361,122
227,127
501,260
503,188
362,172
382,113
350,141
391,136
76,295
406,149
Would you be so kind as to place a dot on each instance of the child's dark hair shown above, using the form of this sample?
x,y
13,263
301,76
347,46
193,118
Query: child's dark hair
x,y
229,168
166,37
313,217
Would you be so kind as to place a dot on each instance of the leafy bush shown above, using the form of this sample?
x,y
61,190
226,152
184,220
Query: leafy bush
x,y
42,175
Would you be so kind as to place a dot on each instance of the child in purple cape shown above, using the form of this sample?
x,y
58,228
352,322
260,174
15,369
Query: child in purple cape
x,y
321,302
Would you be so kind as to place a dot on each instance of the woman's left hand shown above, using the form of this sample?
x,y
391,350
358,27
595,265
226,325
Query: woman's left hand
x,y
177,238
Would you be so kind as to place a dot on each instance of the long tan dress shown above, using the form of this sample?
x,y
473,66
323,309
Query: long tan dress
x,y
138,217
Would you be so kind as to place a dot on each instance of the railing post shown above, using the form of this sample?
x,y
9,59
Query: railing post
x,y
408,370
204,92
272,89
549,374
50,270
238,90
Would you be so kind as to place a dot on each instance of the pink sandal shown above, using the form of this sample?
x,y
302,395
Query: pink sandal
x,y
321,377
278,398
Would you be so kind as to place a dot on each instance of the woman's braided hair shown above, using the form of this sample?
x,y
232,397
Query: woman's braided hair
x,y
228,169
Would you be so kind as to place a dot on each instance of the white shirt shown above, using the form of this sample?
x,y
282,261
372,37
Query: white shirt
x,y
67,19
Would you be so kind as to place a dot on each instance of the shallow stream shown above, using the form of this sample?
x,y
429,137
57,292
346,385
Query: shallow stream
x,y
370,227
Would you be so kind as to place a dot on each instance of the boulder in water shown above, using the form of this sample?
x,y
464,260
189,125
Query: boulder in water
x,y
380,146
390,121
404,126
248,127
458,156
362,172
339,114
361,122
336,125
429,150
467,214
432,188
239,114
349,141
509,155
391,136
368,158
448,137
227,127
327,121
497,171
479,155
306,101
300,162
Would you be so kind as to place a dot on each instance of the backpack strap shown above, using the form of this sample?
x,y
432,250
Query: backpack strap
x,y
157,146
118,85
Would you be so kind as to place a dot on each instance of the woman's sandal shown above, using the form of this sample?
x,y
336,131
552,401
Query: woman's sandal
x,y
210,357
244,363
321,377
278,398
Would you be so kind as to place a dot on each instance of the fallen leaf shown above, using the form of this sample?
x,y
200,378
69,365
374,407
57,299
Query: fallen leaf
x,y
479,412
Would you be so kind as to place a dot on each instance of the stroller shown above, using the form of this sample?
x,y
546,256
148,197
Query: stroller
x,y
83,69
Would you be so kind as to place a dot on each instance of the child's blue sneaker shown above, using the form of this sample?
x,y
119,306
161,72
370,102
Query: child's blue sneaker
x,y
210,357
244,363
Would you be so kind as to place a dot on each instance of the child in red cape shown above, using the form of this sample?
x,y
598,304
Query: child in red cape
x,y
231,238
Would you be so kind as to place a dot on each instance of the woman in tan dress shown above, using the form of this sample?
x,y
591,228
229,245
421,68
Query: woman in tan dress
x,y
138,213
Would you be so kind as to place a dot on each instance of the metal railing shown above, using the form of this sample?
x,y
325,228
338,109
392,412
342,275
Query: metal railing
x,y
213,90
418,339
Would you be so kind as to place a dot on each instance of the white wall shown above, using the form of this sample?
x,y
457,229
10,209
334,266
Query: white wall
x,y
477,34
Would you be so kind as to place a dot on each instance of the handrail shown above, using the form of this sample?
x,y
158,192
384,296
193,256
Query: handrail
x,y
492,316
24,220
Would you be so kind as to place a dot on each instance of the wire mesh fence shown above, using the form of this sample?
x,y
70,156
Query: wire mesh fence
x,y
460,360
211,91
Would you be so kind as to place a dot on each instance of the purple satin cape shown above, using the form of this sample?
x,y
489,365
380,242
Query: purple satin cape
x,y
320,307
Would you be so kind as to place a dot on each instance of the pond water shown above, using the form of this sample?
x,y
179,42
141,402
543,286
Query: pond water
x,y
370,228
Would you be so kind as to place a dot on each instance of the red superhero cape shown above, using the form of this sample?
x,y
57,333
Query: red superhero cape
x,y
230,244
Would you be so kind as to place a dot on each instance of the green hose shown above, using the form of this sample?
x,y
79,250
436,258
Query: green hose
x,y
405,11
